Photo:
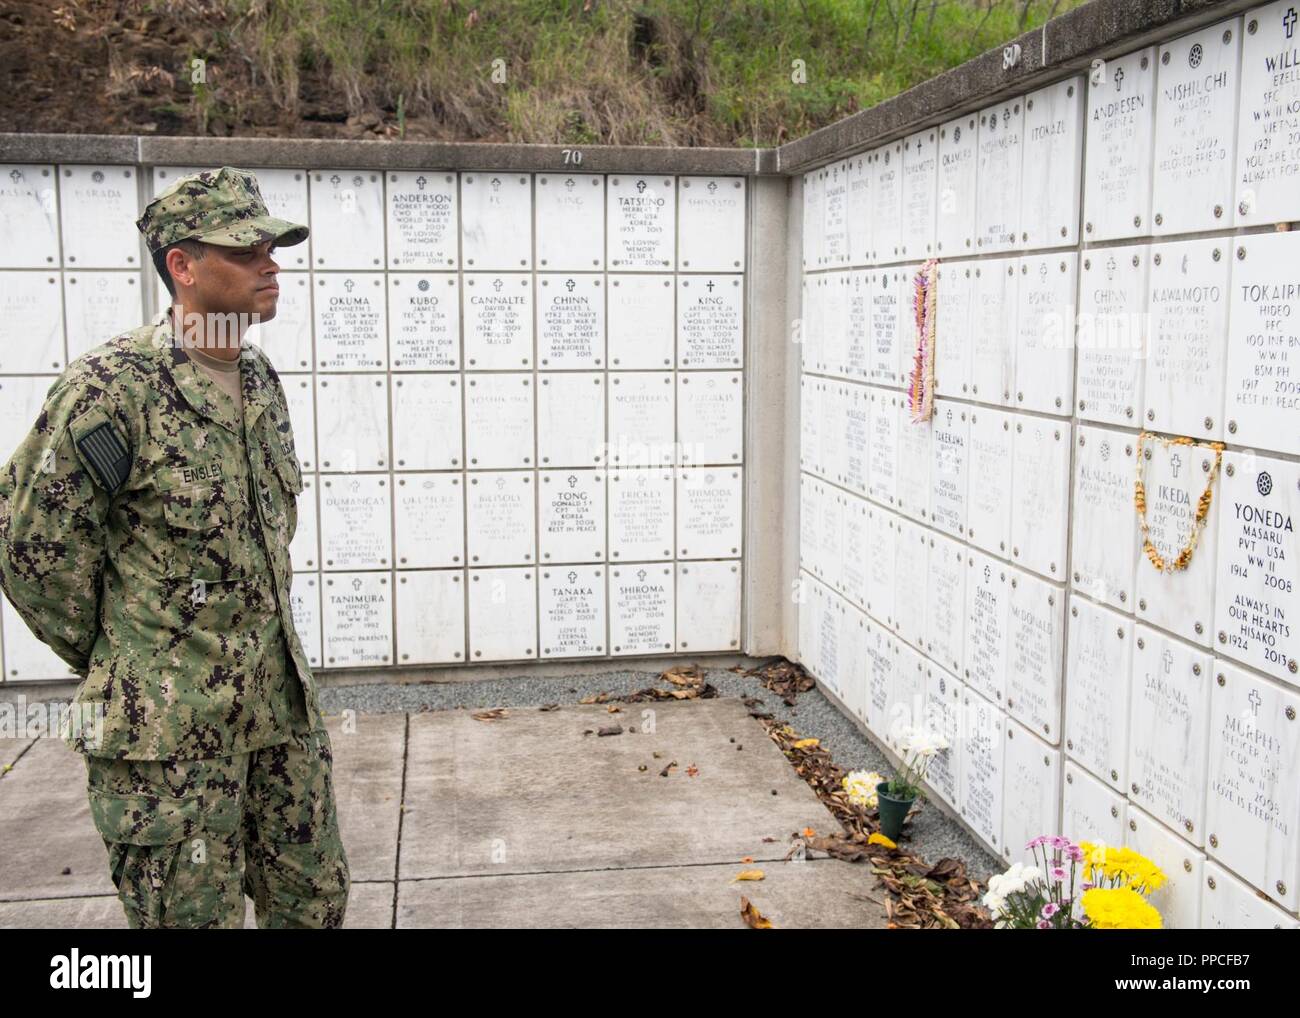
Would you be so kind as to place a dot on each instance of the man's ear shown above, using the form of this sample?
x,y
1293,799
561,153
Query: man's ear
x,y
181,266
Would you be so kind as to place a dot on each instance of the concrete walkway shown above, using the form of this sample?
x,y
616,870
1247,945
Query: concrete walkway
x,y
530,820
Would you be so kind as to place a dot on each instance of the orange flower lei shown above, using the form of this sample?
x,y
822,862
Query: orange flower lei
x,y
1184,557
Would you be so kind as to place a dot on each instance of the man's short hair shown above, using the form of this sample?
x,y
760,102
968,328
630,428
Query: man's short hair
x,y
194,248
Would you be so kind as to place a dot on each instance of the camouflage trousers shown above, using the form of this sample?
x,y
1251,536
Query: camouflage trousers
x,y
187,839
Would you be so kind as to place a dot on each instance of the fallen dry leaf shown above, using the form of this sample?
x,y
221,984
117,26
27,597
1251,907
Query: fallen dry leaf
x,y
749,875
752,916
495,714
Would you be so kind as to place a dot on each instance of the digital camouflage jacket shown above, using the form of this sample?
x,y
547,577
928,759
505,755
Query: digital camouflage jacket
x,y
148,545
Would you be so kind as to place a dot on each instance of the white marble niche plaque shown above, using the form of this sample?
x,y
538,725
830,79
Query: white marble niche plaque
x,y
1179,600
429,520
642,511
639,222
1045,313
988,492
500,507
882,479
1268,121
502,614
1170,708
351,321
993,329
356,522
642,410
422,220
1040,495
1187,344
708,606
1121,138
955,202
570,321
858,203
306,536
711,235
710,321
642,599
710,422
887,202
496,221
920,186
1030,801
570,222
347,219
641,317
1230,904
573,605
709,512
950,447
1053,161
1257,604
430,613
423,322
97,206
1196,131
884,342
1035,647
1253,802
952,350
499,420
988,615
997,206
912,494
945,615
1103,531
99,306
300,397
882,551
1263,381
352,421
1111,337
31,306
304,602
498,311
29,208
982,756
1179,900
1090,811
571,515
357,618
570,418
911,578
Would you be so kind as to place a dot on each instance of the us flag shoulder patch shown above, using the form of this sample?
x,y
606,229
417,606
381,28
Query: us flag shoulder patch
x,y
106,454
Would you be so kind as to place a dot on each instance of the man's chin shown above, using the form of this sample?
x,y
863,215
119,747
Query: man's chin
x,y
265,307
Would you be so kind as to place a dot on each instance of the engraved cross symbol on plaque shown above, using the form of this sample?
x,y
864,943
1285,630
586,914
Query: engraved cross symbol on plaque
x,y
640,575
348,285
420,181
16,175
497,284
336,180
569,284
710,286
713,186
1168,658
570,183
640,186
1042,271
1006,116
356,584
988,573
496,183
1288,19
573,577
1119,78
1175,464
1255,701
573,480
1110,269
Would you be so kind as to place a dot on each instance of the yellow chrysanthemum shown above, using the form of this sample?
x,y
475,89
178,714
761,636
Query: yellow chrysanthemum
x,y
1120,866
1119,908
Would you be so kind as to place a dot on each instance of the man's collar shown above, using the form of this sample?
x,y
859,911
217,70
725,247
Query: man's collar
x,y
200,391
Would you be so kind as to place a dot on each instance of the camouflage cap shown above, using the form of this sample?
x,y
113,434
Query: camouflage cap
x,y
221,207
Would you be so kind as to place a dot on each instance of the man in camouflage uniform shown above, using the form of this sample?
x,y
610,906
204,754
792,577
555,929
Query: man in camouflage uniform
x,y
144,536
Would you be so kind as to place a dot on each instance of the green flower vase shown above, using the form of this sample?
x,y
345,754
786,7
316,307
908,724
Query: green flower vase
x,y
893,811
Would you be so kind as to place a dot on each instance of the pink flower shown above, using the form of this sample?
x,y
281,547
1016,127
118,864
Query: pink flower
x,y
1075,853
1040,840
1087,886
1050,909
1059,873
1043,924
1059,842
